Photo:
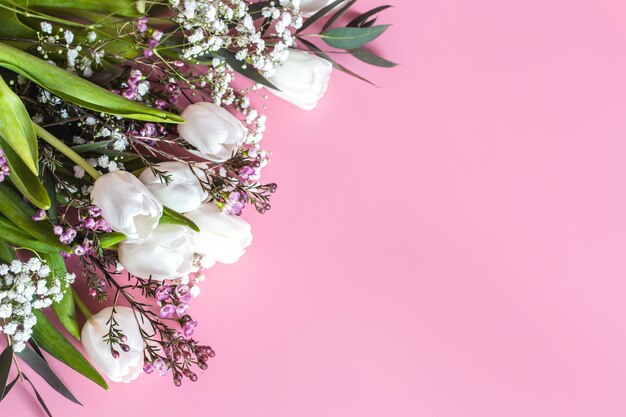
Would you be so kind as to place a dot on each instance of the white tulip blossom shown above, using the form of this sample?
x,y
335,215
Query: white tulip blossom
x,y
182,191
310,7
302,79
127,204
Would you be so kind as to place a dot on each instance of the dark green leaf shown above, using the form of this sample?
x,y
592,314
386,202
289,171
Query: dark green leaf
x,y
359,20
20,214
320,13
50,187
12,26
108,240
336,65
173,217
35,347
247,70
43,370
77,90
39,397
371,58
53,342
6,360
64,309
7,254
352,38
8,388
11,233
117,7
88,147
338,14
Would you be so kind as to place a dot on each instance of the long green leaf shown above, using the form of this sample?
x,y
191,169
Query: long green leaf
x,y
335,17
172,217
352,38
118,7
8,388
360,19
64,309
108,240
7,255
20,214
6,359
53,342
371,58
12,26
317,16
78,90
42,369
39,397
19,238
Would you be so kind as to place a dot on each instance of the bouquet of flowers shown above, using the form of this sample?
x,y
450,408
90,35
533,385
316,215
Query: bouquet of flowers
x,y
130,146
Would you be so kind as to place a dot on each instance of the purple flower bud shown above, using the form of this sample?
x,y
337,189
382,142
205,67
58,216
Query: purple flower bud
x,y
183,293
182,308
90,223
58,230
79,250
167,311
148,368
142,24
39,215
95,211
163,292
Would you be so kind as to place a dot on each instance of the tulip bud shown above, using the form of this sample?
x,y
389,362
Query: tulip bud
x,y
222,238
183,192
126,204
167,254
302,79
127,363
213,130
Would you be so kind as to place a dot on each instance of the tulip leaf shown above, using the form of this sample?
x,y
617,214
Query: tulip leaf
x,y
6,360
42,369
109,240
12,26
20,214
16,127
77,90
7,255
129,8
53,342
65,309
173,217
19,238
362,18
352,38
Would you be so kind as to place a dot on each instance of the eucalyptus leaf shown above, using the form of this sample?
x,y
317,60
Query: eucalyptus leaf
x,y
8,388
77,90
53,342
65,309
16,127
362,18
351,38
173,217
371,58
39,397
42,369
338,14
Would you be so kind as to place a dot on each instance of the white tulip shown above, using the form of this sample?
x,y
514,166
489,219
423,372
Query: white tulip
x,y
213,130
128,365
167,254
302,79
222,238
183,192
126,204
310,7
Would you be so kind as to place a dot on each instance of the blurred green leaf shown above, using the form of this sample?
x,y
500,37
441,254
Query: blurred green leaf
x,y
65,309
352,38
7,255
118,7
88,147
77,90
371,58
53,342
17,129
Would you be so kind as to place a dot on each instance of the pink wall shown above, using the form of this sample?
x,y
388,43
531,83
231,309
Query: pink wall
x,y
451,244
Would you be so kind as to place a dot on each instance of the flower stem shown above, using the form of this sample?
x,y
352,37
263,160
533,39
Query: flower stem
x,y
66,150
81,305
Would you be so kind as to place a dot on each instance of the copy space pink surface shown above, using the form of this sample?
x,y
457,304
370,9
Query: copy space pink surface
x,y
451,244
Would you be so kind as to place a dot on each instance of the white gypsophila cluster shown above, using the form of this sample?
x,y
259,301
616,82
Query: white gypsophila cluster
x,y
24,287
208,25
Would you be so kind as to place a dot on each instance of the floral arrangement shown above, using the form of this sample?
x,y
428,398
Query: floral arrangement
x,y
130,138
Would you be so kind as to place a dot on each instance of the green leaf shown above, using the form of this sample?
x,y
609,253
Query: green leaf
x,y
39,397
6,359
173,217
23,178
247,70
16,127
360,20
20,214
371,58
19,238
336,65
108,240
8,388
77,90
7,255
12,26
53,342
352,38
64,309
320,13
88,147
117,7
338,14
42,369
50,187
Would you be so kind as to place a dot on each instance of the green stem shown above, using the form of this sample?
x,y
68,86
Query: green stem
x,y
81,305
66,150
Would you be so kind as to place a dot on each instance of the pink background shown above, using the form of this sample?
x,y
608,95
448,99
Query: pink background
x,y
451,244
